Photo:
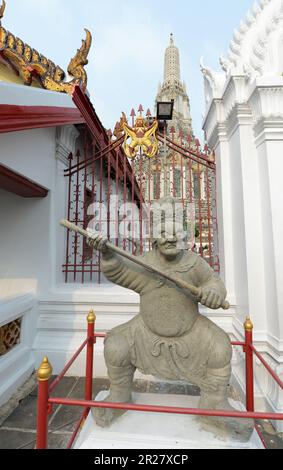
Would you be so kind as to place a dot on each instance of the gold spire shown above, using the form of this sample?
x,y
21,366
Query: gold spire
x,y
45,370
91,318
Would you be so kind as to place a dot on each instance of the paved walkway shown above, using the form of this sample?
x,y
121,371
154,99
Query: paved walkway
x,y
19,429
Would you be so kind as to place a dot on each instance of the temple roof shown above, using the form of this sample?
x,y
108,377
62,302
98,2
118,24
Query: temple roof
x,y
22,64
254,51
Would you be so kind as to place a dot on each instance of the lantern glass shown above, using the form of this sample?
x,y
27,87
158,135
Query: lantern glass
x,y
165,110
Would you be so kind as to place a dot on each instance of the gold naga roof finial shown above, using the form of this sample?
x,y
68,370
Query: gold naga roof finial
x,y
79,61
29,63
2,9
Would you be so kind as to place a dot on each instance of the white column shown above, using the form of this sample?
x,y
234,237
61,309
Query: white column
x,y
216,135
266,101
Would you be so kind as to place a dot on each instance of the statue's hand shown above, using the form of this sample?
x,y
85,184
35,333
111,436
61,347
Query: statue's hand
x,y
211,298
98,242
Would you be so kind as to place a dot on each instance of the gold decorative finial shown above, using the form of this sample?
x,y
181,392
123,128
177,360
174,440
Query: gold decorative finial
x,y
248,325
28,63
2,9
142,137
77,63
91,318
45,370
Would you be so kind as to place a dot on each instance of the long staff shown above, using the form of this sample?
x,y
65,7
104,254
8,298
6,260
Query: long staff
x,y
196,291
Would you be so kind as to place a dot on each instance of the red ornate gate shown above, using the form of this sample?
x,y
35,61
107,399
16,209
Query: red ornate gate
x,y
114,194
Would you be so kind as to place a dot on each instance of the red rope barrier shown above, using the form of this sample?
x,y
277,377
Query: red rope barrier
x,y
166,409
45,403
260,436
77,428
65,370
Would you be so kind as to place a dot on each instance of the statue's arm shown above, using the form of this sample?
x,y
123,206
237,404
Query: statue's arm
x,y
213,289
123,272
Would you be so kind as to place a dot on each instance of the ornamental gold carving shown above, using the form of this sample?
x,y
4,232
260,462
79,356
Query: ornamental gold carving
x,y
29,63
142,137
9,336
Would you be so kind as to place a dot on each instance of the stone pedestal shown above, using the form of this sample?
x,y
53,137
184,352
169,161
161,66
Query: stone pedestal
x,y
143,430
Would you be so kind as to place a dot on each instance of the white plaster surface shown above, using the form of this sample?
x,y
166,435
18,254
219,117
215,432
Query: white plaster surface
x,y
143,430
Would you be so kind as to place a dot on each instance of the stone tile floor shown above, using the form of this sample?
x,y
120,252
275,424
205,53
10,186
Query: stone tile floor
x,y
18,431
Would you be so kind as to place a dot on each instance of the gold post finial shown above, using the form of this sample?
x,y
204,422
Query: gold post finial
x,y
248,325
91,318
45,370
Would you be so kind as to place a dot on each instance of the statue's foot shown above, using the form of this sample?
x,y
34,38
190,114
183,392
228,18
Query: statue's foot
x,y
239,429
104,417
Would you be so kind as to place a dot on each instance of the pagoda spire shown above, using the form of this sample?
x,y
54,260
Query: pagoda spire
x,y
173,88
172,62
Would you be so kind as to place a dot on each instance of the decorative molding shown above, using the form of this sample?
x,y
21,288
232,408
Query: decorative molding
x,y
219,134
268,129
267,102
240,115
66,137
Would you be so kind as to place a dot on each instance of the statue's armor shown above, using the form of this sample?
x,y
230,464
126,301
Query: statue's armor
x,y
163,339
166,310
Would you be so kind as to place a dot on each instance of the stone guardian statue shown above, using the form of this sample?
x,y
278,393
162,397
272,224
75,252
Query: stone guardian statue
x,y
169,338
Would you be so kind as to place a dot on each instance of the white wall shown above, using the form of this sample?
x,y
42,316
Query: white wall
x,y
25,243
245,127
32,243
31,154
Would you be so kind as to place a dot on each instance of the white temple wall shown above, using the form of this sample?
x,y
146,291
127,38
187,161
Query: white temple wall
x,y
33,223
25,242
249,148
31,154
270,156
32,247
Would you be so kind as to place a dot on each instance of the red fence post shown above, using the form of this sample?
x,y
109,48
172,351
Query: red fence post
x,y
91,340
43,375
248,325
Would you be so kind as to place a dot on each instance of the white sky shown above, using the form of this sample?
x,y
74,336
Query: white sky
x,y
129,41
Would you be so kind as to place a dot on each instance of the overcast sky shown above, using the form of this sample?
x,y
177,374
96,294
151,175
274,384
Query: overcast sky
x,y
129,41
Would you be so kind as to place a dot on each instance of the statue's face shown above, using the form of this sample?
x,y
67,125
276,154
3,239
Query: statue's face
x,y
168,242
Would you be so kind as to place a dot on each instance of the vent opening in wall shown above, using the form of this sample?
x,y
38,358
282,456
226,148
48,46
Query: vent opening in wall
x,y
10,335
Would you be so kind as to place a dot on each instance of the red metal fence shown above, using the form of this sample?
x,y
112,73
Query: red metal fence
x,y
102,180
45,402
